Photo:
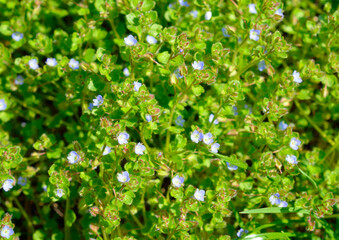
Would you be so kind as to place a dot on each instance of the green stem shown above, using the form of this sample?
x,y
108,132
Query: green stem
x,y
24,213
66,228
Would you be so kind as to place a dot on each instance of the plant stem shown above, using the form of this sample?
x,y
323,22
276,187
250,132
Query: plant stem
x,y
24,213
66,228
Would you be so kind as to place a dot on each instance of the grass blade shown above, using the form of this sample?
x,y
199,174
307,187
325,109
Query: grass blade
x,y
276,210
271,235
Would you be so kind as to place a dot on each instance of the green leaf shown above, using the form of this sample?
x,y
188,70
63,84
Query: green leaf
x,y
276,210
163,57
71,217
271,235
231,160
307,176
198,90
147,5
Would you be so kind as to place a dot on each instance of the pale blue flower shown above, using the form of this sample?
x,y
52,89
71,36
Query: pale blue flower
x,y
208,15
279,13
224,32
17,36
74,64
52,62
210,119
241,232
60,192
231,166
123,138
106,151
254,34
22,181
291,159
90,106
33,64
183,3
261,65
194,13
235,110
73,157
126,72
3,105
179,121
275,199
8,185
98,101
177,73
137,85
123,177
283,204
252,9
199,195
151,40
196,136
6,232
177,181
282,126
294,143
148,118
198,65
130,40
208,138
139,149
215,147
296,77
19,80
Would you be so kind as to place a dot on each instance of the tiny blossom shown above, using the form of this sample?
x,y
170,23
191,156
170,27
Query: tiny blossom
x,y
139,149
208,15
199,195
235,110
90,106
33,64
231,166
137,85
252,9
98,101
283,204
224,32
249,108
279,12
52,62
261,65
296,77
282,126
177,181
22,181
44,187
123,138
123,177
210,119
179,121
126,72
194,13
177,73
266,110
106,151
17,36
208,138
215,147
6,232
3,105
198,65
74,64
8,184
73,157
60,192
130,40
294,144
196,136
183,3
291,159
239,40
275,199
151,40
254,34
148,118
241,232
19,80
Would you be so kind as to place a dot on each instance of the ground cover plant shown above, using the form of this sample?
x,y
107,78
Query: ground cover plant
x,y
128,119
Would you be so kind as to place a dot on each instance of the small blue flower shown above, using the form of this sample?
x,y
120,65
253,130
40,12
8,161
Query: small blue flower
x,y
296,77
52,62
73,157
254,34
224,32
210,119
199,195
279,13
3,105
294,143
148,118
261,65
282,126
90,106
241,232
126,72
283,204
6,232
196,136
8,184
231,167
179,121
198,65
194,13
17,36
130,40
60,192
33,64
123,177
22,181
74,64
208,138
151,40
19,80
252,9
183,3
106,151
137,85
235,110
275,199
177,73
291,159
123,138
208,15
215,147
177,181
98,101
139,149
